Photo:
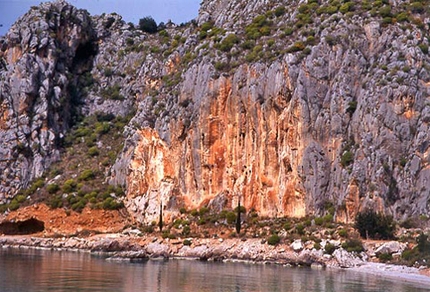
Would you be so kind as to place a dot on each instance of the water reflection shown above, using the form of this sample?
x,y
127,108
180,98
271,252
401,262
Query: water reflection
x,y
34,270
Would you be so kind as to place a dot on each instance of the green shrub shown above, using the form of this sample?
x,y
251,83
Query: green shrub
x,y
203,211
220,66
93,151
82,132
329,248
79,205
231,217
228,42
186,230
402,16
385,257
274,239
148,24
52,188
353,245
416,7
319,221
343,233
187,242
424,48
279,11
55,202
375,225
352,106
328,218
69,186
423,245
300,229
287,225
108,72
14,205
347,158
110,204
3,208
102,128
87,175
331,40
297,46
112,92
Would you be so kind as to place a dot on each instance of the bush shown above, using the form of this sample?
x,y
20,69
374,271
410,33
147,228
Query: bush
x,y
343,233
52,188
228,42
69,186
352,106
110,204
231,217
93,151
385,257
14,205
329,248
353,245
279,11
375,225
186,230
203,211
148,24
300,228
187,242
274,239
424,48
79,205
331,40
347,158
102,128
87,175
297,46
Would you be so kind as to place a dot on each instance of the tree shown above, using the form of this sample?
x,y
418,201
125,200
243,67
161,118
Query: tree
x,y
375,225
160,221
238,218
148,24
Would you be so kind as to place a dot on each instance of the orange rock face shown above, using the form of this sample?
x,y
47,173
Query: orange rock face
x,y
239,147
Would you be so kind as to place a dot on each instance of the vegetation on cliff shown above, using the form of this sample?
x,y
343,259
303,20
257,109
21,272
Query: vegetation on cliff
x,y
316,110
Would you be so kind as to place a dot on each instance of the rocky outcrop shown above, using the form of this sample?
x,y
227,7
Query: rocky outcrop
x,y
301,110
292,135
45,53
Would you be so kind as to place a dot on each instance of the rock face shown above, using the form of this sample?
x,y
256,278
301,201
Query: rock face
x,y
334,112
43,55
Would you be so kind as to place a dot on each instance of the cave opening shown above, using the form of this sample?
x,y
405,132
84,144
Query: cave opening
x,y
84,55
29,226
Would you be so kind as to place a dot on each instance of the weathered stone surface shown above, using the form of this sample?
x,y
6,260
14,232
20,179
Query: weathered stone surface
x,y
391,247
344,122
297,245
43,53
346,259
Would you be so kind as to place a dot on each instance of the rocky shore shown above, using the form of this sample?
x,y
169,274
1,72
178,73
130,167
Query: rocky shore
x,y
133,248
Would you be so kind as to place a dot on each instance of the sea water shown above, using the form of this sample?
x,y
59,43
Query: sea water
x,y
41,270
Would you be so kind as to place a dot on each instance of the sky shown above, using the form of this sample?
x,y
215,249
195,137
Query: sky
x,y
131,10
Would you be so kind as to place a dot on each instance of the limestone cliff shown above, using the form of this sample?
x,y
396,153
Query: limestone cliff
x,y
291,107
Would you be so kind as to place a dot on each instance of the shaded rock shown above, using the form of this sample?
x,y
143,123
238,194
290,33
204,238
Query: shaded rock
x,y
346,259
391,247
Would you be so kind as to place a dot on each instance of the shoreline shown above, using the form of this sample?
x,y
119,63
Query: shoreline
x,y
118,247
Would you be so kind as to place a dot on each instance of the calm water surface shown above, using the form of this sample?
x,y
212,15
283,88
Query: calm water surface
x,y
36,270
